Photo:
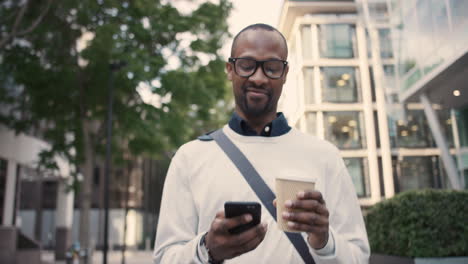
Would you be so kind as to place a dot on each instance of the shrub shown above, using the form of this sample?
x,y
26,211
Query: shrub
x,y
422,223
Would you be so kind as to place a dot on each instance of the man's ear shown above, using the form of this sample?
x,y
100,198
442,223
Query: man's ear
x,y
285,75
229,70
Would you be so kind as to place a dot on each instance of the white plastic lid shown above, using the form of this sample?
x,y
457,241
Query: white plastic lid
x,y
297,178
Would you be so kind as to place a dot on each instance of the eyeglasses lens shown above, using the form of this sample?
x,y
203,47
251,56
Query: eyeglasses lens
x,y
247,67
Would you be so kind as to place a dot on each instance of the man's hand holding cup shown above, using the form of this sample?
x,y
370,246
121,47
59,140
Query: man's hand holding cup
x,y
300,208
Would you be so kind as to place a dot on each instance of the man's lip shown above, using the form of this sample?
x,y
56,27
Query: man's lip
x,y
256,91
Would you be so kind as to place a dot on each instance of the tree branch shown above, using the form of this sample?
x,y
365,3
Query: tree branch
x,y
37,21
4,20
18,20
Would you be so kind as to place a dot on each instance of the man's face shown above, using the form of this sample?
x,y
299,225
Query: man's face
x,y
257,95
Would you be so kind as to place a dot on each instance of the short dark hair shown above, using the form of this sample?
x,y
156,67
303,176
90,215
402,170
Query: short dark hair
x,y
257,27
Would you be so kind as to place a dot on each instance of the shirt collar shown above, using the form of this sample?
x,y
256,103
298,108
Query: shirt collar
x,y
278,127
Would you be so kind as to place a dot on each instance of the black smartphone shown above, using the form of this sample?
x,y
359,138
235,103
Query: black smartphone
x,y
233,209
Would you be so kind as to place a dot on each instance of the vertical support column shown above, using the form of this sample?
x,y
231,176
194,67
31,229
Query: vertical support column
x,y
368,115
63,220
319,122
10,194
389,185
447,159
456,141
8,231
300,67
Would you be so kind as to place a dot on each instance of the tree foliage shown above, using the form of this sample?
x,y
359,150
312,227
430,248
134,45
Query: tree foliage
x,y
50,83
56,62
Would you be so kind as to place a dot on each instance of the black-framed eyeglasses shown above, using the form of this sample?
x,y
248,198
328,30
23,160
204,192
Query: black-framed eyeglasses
x,y
246,67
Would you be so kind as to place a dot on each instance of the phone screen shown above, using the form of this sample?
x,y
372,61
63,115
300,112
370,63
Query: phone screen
x,y
233,209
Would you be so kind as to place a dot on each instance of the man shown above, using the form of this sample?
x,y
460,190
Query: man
x,y
192,226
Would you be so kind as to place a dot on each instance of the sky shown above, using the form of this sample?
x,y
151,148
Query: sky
x,y
247,12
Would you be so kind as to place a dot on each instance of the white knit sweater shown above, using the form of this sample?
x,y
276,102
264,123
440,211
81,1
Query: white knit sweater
x,y
201,178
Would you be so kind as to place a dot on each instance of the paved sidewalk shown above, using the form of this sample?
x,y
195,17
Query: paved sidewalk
x,y
113,257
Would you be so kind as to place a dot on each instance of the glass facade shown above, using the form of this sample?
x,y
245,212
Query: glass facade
x,y
340,85
459,11
462,124
410,49
378,11
415,132
385,41
344,129
441,22
418,173
337,41
431,31
389,72
358,170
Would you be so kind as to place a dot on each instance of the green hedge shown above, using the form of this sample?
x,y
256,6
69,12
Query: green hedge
x,y
423,223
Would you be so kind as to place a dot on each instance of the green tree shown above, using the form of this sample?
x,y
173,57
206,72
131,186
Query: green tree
x,y
55,78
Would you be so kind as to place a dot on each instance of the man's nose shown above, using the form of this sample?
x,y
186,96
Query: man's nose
x,y
258,77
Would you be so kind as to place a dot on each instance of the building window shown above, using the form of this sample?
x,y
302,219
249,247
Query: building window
x,y
372,83
410,49
426,35
344,129
418,173
441,22
340,85
385,41
389,74
309,93
459,9
462,124
369,44
415,133
377,129
311,123
378,11
445,122
306,36
337,41
357,168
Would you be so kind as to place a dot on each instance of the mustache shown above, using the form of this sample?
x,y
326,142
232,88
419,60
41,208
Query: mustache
x,y
251,86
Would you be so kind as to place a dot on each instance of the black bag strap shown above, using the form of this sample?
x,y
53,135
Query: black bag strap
x,y
260,188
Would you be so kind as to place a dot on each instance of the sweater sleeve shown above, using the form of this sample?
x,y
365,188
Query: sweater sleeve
x,y
346,221
176,237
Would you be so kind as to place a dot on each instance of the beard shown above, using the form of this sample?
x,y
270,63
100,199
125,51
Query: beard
x,y
252,108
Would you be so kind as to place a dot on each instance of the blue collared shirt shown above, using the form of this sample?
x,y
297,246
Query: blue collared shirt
x,y
279,126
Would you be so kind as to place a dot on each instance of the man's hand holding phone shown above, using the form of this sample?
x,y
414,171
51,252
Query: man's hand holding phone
x,y
223,244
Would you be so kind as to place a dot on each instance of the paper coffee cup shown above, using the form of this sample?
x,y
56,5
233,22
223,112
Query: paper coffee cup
x,y
287,188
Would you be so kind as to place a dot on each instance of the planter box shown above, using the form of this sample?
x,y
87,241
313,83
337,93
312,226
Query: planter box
x,y
387,259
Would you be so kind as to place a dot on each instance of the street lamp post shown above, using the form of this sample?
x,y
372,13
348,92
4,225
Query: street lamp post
x,y
114,67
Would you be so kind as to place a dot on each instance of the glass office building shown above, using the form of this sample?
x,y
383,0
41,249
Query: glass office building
x,y
431,44
344,86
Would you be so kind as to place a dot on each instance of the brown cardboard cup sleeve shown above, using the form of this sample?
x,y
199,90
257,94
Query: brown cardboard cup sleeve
x,y
287,188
